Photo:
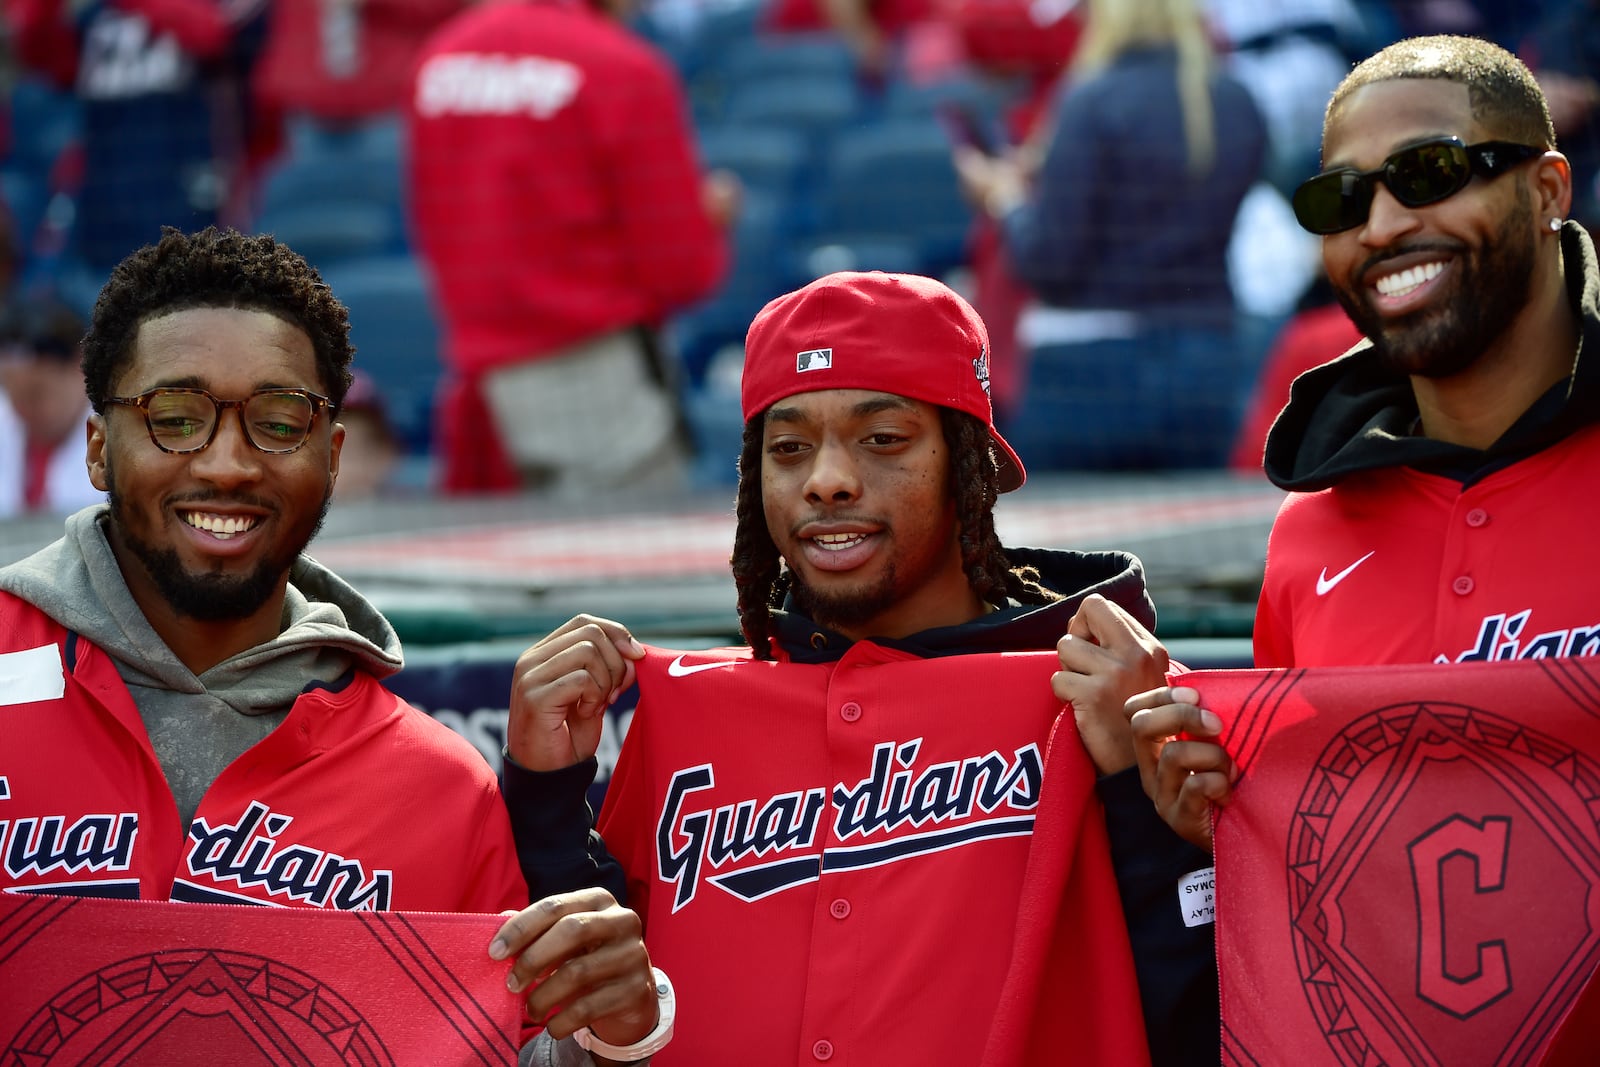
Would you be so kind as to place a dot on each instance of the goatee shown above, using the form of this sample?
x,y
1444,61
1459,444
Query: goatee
x,y
838,611
209,597
1491,287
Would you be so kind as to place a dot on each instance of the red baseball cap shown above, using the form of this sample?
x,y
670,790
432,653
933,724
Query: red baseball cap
x,y
890,333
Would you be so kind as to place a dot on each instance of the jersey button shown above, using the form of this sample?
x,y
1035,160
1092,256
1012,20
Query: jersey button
x,y
840,909
823,1050
1463,585
850,712
1477,517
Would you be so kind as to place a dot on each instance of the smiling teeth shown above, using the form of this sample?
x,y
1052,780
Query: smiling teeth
x,y
836,542
221,527
1402,283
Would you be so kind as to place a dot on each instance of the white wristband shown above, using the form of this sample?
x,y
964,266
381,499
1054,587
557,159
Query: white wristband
x,y
649,1044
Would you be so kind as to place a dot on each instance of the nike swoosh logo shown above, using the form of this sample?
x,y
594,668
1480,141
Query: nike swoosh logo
x,y
1324,583
679,669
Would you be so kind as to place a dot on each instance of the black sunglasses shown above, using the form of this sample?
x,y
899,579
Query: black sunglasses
x,y
1425,173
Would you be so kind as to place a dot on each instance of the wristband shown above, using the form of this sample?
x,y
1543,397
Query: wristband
x,y
649,1044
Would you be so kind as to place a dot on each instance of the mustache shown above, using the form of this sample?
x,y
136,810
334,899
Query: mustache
x,y
867,520
203,496
1384,255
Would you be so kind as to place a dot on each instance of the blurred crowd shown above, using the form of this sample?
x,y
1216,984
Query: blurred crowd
x,y
552,220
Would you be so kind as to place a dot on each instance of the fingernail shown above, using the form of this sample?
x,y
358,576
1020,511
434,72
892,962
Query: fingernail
x,y
498,949
612,699
1184,695
1210,720
513,983
1233,774
633,643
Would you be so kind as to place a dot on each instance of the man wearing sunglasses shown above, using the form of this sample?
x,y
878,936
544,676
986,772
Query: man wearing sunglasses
x,y
1442,472
176,661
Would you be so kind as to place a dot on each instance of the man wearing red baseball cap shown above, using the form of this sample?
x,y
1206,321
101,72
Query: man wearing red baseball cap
x,y
872,835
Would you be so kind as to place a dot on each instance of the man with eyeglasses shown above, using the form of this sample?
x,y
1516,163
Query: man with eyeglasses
x,y
196,707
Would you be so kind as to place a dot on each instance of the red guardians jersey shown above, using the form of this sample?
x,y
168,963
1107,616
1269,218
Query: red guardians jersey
x,y
1409,872
1398,566
356,801
879,860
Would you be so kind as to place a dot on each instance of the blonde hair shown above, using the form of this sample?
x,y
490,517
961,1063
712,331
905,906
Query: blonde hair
x,y
1116,26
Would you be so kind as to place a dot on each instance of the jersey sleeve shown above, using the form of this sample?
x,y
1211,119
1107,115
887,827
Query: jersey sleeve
x,y
557,846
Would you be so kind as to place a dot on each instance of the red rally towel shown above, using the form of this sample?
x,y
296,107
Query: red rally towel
x,y
92,981
1410,869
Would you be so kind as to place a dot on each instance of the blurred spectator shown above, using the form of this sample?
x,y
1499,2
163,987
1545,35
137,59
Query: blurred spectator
x,y
372,449
13,250
1290,54
1506,22
1031,41
558,201
43,438
1564,54
330,67
872,29
165,118
1123,234
1318,332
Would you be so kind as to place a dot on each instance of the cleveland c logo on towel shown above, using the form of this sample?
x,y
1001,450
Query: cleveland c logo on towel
x,y
814,359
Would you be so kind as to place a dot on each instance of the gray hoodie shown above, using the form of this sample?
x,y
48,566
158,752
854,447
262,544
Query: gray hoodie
x,y
198,725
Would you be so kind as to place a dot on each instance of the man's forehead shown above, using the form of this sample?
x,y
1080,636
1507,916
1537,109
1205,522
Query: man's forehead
x,y
835,402
203,345
1378,118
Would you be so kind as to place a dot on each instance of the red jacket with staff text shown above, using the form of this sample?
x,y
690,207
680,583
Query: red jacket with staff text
x,y
883,859
555,186
356,801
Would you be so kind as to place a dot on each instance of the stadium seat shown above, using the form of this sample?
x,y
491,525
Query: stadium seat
x,y
326,232
758,273
697,36
350,190
984,101
819,111
44,122
768,160
773,165
893,182
859,252
820,58
735,59
396,336
315,178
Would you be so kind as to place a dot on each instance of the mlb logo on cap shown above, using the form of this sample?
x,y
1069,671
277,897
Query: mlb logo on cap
x,y
813,359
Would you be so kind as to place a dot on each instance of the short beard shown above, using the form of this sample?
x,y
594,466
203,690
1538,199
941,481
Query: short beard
x,y
209,597
848,610
1491,290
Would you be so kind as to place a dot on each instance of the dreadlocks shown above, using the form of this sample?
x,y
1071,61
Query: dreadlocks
x,y
762,582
